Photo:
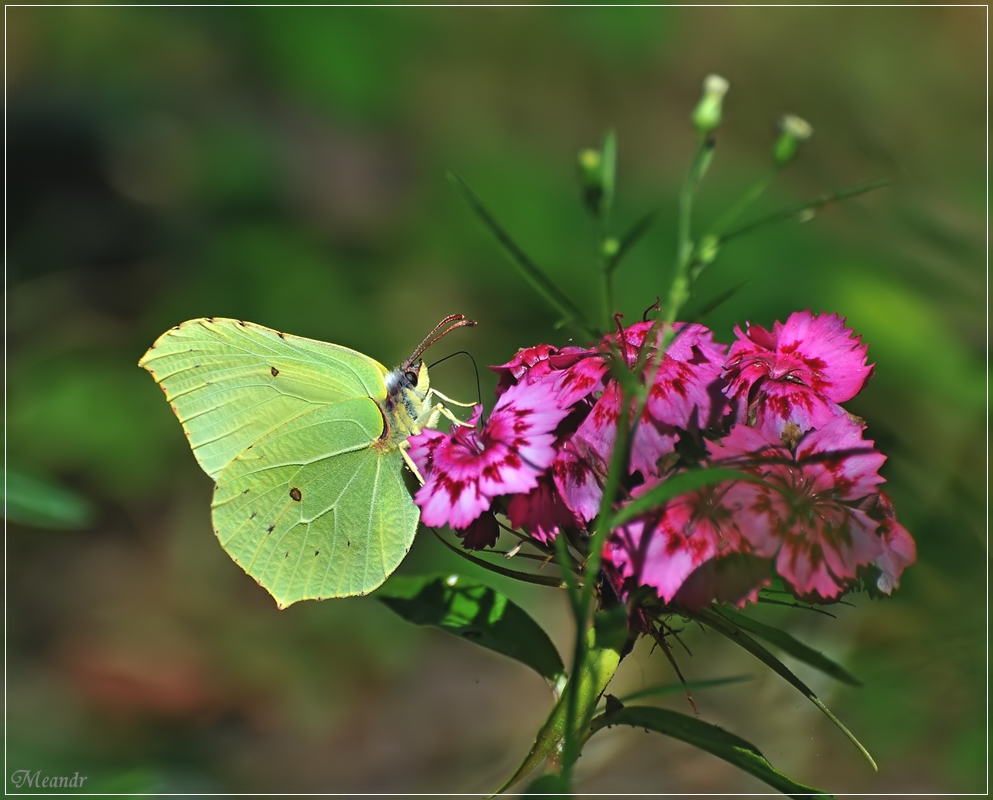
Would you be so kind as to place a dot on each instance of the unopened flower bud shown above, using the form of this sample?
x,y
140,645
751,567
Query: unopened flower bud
x,y
591,179
707,114
794,132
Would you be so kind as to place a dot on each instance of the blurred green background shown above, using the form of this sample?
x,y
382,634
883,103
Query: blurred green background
x,y
286,166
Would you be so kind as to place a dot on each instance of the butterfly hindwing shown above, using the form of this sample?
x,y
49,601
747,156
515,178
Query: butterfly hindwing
x,y
316,508
231,382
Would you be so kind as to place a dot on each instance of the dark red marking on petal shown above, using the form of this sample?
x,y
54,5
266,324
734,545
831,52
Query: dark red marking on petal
x,y
296,494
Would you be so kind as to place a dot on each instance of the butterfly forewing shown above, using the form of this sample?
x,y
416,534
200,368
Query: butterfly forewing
x,y
232,382
315,509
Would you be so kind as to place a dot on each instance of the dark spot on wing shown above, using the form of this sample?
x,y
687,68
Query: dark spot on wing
x,y
348,543
287,554
242,323
270,529
317,553
274,371
280,335
246,491
253,515
296,494
210,319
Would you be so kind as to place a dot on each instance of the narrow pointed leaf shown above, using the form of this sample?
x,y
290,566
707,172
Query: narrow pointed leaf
x,y
689,686
594,676
609,166
711,738
808,205
474,611
531,272
793,646
725,627
673,487
517,575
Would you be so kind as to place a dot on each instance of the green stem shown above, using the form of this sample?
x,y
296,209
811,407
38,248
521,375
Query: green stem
x,y
679,292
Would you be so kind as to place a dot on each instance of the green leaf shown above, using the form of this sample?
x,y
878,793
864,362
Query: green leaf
x,y
40,504
531,272
689,686
794,647
608,173
517,575
673,487
471,610
705,736
594,675
725,627
808,205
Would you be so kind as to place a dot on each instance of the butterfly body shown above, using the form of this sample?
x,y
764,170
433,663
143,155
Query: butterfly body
x,y
304,440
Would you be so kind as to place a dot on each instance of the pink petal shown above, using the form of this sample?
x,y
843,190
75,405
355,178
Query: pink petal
x,y
542,511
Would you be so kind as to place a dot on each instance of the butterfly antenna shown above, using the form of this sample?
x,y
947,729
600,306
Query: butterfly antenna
x,y
443,328
479,392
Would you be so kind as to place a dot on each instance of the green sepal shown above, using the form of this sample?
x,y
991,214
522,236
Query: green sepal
x,y
473,611
708,737
792,646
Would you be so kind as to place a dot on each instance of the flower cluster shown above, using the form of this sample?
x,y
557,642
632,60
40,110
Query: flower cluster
x,y
807,506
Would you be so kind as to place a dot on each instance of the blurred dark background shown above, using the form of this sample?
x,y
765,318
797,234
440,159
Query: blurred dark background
x,y
286,166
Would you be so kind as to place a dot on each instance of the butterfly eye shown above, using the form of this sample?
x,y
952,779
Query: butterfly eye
x,y
411,377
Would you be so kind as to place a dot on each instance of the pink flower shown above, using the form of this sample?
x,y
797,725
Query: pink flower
x,y
806,515
685,394
466,469
899,550
532,364
798,373
542,512
662,550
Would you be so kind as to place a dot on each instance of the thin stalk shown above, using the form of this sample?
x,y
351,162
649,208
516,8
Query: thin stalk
x,y
679,291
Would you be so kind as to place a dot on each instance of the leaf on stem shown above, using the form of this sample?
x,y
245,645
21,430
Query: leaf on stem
x,y
688,686
473,611
710,738
673,487
608,173
531,272
517,575
727,628
809,205
794,647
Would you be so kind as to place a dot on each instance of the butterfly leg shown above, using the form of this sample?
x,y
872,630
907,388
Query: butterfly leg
x,y
404,446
